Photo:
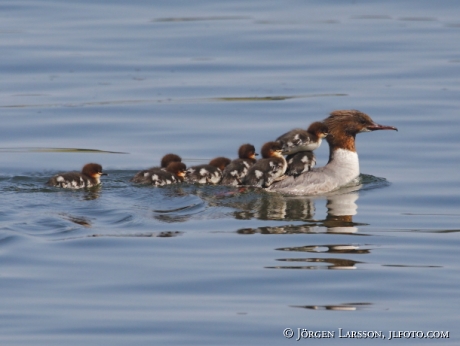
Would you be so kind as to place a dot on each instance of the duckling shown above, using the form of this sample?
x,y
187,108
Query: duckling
x,y
90,176
303,140
174,173
300,162
269,169
144,176
234,173
207,174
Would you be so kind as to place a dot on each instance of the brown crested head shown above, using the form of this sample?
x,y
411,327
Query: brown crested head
x,y
178,169
247,151
168,158
93,170
220,162
319,129
343,125
271,149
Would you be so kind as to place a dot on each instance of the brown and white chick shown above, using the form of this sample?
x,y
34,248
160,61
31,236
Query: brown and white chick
x,y
268,169
234,173
174,173
145,176
303,140
90,176
207,174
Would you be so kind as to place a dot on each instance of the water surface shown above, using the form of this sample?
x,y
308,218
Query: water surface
x,y
123,84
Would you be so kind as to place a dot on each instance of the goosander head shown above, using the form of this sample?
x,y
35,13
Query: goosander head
x,y
220,162
343,125
93,170
272,149
318,129
247,151
168,158
177,168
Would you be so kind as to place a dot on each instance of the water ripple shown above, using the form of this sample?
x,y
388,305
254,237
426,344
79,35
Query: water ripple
x,y
172,100
337,307
321,263
198,19
56,150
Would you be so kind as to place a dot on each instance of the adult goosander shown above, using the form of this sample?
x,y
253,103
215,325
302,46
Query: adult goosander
x,y
207,174
343,165
145,176
300,162
234,173
174,173
303,140
268,169
90,176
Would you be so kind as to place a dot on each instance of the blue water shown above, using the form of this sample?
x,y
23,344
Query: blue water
x,y
131,81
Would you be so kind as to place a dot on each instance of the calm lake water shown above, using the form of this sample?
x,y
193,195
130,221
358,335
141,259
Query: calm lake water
x,y
189,265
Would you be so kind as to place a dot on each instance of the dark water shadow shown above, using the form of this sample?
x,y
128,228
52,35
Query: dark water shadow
x,y
57,150
175,204
316,263
191,100
337,307
159,234
198,19
79,220
418,19
272,98
371,16
180,214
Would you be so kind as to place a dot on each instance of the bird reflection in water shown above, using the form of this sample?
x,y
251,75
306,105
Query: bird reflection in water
x,y
340,211
92,193
341,208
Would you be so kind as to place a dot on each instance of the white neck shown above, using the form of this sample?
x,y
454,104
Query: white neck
x,y
344,164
